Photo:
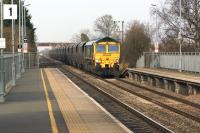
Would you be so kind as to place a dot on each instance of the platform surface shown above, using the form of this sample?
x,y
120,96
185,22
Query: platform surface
x,y
26,109
169,74
46,101
80,112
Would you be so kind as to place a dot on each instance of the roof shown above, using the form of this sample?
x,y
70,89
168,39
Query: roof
x,y
105,39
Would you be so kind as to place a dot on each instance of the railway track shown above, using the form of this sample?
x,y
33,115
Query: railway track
x,y
195,105
153,100
156,100
133,119
119,83
48,63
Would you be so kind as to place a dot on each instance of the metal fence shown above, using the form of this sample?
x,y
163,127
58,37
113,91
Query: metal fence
x,y
190,61
22,62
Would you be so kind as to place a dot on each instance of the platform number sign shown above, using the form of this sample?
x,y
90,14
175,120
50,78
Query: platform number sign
x,y
10,11
2,43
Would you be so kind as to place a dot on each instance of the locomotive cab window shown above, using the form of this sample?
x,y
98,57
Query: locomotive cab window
x,y
100,48
113,48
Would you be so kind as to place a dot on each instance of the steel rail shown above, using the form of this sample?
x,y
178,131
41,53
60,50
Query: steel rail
x,y
187,115
195,105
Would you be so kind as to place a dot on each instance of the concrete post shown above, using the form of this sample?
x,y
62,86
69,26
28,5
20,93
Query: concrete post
x,y
159,83
194,91
136,77
150,80
130,75
143,79
190,89
166,84
177,88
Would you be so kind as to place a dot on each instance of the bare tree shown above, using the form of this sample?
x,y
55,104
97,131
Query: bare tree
x,y
84,37
137,41
190,21
105,25
81,36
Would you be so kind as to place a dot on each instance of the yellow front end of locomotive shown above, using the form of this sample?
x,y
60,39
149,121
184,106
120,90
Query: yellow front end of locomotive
x,y
106,54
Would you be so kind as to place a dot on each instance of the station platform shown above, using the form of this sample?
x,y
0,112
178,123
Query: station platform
x,y
179,82
189,77
45,100
26,109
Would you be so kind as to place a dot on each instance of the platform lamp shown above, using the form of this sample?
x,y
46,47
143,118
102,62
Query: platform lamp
x,y
2,85
24,34
20,38
13,51
156,39
25,19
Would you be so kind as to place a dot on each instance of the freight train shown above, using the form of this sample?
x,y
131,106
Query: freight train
x,y
99,56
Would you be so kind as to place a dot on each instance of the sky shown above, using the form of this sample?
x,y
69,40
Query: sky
x,y
59,20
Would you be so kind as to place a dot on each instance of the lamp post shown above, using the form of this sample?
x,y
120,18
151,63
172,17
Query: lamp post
x,y
122,31
25,33
20,44
2,19
179,37
22,35
13,50
23,28
2,99
156,38
19,24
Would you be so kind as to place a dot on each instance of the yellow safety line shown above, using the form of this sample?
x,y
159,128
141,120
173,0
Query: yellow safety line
x,y
52,118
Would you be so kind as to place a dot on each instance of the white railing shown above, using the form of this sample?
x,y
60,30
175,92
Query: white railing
x,y
190,61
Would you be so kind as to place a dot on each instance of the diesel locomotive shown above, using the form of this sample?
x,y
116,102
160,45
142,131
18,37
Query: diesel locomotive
x,y
98,56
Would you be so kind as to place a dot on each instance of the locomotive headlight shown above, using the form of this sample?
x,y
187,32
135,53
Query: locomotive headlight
x,y
116,61
98,61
